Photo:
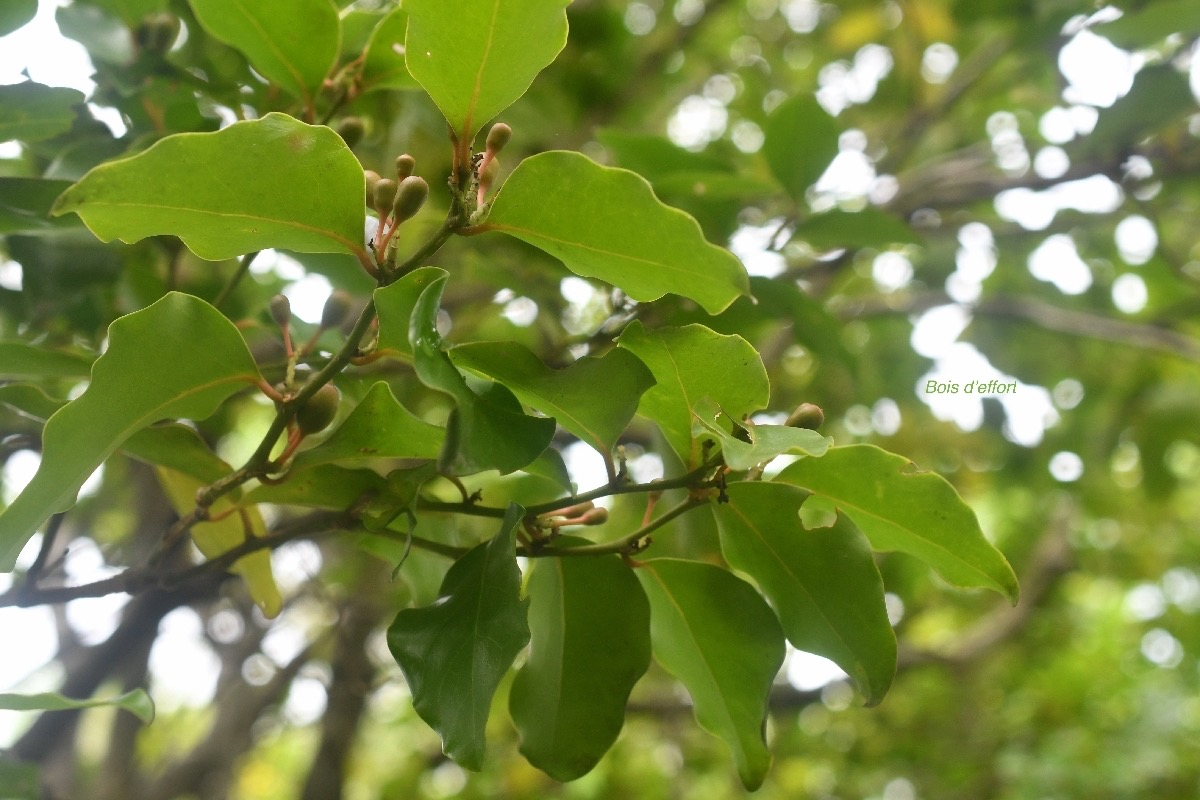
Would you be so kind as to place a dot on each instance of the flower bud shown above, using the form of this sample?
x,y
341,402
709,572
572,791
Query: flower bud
x,y
281,310
410,196
806,415
351,129
372,178
487,176
319,411
384,196
337,308
405,165
497,137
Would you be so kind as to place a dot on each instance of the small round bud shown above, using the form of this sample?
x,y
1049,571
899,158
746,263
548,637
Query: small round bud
x,y
371,177
384,196
281,310
336,309
497,137
319,411
806,415
410,196
405,165
351,129
594,516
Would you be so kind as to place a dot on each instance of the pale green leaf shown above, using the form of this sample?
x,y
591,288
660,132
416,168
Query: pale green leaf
x,y
15,14
270,182
19,360
869,227
25,205
454,653
476,57
745,444
177,358
31,112
823,582
900,507
136,702
801,142
323,486
383,60
394,304
606,223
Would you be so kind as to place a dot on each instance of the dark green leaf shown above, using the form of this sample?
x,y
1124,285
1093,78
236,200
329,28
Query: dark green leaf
x,y
398,496
177,447
293,43
746,445
867,228
136,702
383,60
270,182
486,430
476,57
714,633
654,157
177,358
25,205
324,486
31,112
589,644
1160,95
902,508
394,303
29,400
801,141
823,582
15,14
606,223
378,427
689,364
593,398
1150,24
20,781
131,12
20,360
454,652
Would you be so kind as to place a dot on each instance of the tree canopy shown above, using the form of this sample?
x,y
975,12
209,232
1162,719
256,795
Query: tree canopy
x,y
535,398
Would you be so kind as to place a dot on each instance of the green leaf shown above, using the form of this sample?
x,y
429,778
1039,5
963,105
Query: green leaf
x,y
177,358
801,141
394,304
270,182
869,227
689,364
606,223
589,644
225,532
745,445
293,43
1160,95
454,652
31,112
29,400
378,427
15,14
486,430
593,398
132,11
20,781
902,508
654,157
324,486
823,582
178,447
383,59
25,205
476,57
397,496
20,360
136,702
1150,24
713,632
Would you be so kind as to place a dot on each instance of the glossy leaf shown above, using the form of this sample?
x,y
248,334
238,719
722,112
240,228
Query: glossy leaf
x,y
394,304
589,644
378,427
383,59
293,43
689,364
746,445
713,632
486,430
136,702
213,537
270,182
593,398
31,112
606,223
25,205
869,227
899,507
15,14
801,142
177,358
20,360
823,582
323,486
476,57
454,652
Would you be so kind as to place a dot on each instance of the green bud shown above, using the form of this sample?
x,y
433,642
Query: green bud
x,y
336,309
281,310
497,137
319,411
405,165
806,415
384,196
372,178
351,129
410,196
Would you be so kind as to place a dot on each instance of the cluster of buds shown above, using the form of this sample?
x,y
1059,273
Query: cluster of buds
x,y
489,165
579,514
395,200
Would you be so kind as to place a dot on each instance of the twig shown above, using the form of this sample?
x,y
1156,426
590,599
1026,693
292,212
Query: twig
x,y
236,278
